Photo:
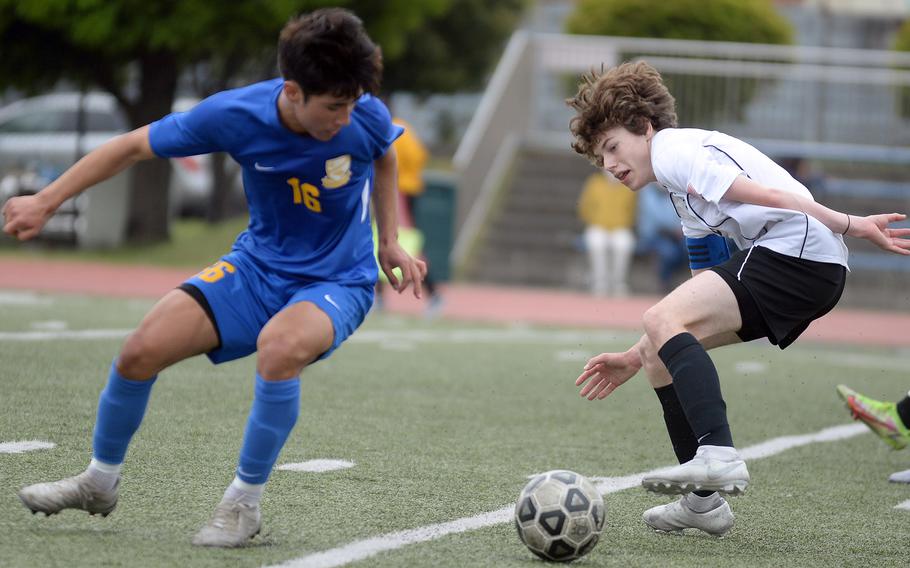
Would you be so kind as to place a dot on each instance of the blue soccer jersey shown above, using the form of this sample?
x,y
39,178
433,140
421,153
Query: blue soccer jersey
x,y
308,199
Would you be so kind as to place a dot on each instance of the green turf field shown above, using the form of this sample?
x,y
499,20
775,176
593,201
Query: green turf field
x,y
444,422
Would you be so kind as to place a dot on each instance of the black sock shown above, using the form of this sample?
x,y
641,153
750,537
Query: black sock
x,y
903,410
681,435
698,388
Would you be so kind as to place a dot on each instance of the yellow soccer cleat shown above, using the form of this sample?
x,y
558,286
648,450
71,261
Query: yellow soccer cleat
x,y
880,417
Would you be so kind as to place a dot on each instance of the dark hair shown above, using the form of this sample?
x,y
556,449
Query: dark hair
x,y
329,52
631,95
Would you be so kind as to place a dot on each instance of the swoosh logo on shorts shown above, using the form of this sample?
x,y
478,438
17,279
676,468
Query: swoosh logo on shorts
x,y
331,301
262,168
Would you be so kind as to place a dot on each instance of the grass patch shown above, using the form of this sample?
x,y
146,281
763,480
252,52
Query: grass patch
x,y
440,427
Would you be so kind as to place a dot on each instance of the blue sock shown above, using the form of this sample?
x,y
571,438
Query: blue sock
x,y
120,411
274,413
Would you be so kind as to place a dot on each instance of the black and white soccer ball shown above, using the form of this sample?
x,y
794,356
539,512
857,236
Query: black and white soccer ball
x,y
559,515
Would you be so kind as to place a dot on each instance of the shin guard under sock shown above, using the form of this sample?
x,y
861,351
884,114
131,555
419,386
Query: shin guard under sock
x,y
121,407
276,405
698,388
681,435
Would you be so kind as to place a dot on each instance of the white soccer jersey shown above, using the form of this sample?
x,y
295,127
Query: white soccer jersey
x,y
697,167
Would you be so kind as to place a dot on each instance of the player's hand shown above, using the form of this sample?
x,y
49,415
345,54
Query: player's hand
x,y
413,270
607,371
875,228
25,216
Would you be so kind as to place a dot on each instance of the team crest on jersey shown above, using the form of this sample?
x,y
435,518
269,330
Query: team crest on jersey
x,y
337,172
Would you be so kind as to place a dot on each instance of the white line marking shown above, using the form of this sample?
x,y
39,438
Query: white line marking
x,y
317,466
522,335
50,325
381,336
572,356
370,547
393,345
904,505
750,367
469,335
23,299
22,447
56,335
862,361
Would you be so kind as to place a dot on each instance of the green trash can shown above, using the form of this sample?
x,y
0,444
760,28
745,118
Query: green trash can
x,y
434,215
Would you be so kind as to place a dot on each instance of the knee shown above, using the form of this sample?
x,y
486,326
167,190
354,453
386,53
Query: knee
x,y
139,359
660,326
653,321
650,361
282,356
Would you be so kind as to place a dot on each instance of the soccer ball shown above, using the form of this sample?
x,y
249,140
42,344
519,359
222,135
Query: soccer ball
x,y
559,515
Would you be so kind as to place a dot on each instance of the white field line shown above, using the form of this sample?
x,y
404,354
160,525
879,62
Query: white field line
x,y
366,548
385,337
485,335
397,338
905,505
23,299
316,466
67,334
22,447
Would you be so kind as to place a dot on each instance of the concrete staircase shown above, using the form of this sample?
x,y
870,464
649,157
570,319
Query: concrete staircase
x,y
532,236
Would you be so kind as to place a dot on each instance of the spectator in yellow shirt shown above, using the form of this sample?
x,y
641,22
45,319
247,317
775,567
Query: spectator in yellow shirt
x,y
607,209
412,158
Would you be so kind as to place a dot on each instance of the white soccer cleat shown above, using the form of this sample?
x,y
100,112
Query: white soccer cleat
x,y
233,525
77,492
676,516
714,468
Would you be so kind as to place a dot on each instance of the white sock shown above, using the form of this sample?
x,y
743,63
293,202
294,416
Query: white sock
x,y
104,475
243,492
722,453
703,504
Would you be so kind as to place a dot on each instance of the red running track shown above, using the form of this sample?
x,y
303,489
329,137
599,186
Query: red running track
x,y
463,302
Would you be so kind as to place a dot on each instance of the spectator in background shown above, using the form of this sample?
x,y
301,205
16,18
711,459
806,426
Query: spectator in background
x,y
607,209
659,233
412,159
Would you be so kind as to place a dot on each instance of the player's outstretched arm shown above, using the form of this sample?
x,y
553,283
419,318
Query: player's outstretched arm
x,y
25,216
873,228
390,253
604,373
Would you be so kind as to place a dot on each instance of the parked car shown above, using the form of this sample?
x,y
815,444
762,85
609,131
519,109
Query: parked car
x,y
39,139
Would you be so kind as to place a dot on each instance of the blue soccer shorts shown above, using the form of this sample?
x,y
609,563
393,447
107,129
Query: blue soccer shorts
x,y
240,297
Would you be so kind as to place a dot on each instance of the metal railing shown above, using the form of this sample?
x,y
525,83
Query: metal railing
x,y
795,101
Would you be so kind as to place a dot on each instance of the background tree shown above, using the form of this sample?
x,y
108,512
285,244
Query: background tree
x,y
137,50
455,49
451,47
746,21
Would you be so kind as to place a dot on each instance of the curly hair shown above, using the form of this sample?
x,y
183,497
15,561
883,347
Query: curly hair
x,y
329,52
630,95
